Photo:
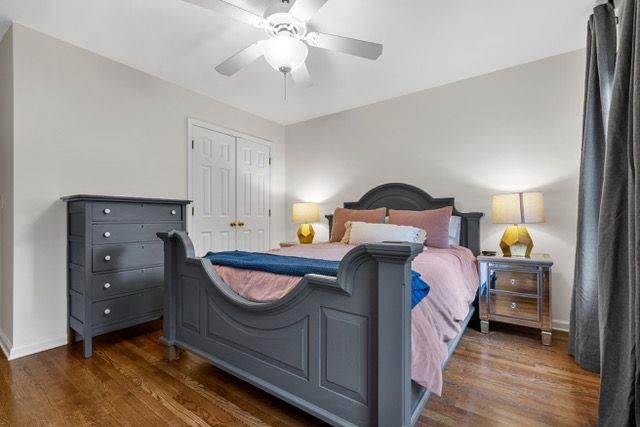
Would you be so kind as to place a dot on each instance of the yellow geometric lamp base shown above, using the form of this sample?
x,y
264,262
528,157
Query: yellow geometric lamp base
x,y
306,233
516,241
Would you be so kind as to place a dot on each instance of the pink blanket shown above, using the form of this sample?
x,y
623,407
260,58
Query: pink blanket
x,y
451,273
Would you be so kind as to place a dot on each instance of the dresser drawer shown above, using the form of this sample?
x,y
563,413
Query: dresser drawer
x,y
514,306
113,284
124,233
524,282
128,307
115,257
142,212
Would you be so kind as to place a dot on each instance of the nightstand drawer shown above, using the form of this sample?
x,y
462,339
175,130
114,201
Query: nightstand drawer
x,y
515,281
514,306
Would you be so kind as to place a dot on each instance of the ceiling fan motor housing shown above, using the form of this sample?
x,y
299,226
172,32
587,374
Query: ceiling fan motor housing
x,y
278,23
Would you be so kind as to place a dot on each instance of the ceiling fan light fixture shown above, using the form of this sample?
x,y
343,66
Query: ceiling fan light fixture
x,y
285,52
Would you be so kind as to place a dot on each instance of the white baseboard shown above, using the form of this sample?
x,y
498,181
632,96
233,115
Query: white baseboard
x,y
30,349
5,344
560,325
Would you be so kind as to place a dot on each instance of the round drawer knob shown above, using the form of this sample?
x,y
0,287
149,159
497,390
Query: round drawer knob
x,y
107,285
173,212
107,211
106,234
107,258
107,311
513,281
514,305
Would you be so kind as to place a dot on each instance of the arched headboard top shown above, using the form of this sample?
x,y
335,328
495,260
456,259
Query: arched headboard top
x,y
408,197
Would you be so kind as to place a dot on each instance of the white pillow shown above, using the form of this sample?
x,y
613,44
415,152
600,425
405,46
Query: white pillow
x,y
357,233
455,224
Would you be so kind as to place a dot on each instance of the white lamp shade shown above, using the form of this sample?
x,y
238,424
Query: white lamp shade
x,y
517,208
284,51
305,213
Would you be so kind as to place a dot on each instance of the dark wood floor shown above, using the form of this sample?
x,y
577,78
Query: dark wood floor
x,y
503,378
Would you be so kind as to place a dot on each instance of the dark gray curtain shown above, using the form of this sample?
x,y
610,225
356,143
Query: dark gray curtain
x,y
618,239
584,343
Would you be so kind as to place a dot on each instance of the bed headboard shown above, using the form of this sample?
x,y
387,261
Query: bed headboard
x,y
408,197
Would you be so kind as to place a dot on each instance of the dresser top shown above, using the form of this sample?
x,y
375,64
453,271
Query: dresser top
x,y
537,259
102,198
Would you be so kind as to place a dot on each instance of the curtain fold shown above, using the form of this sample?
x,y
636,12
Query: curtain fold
x,y
618,242
584,343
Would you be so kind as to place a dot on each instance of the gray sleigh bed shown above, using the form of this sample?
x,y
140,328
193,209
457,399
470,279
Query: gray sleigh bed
x,y
339,347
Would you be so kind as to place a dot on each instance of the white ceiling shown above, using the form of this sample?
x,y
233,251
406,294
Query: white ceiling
x,y
427,43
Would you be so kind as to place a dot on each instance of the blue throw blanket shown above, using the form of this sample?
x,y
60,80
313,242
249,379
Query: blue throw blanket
x,y
298,266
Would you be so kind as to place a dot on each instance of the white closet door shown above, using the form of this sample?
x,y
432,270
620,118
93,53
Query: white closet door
x,y
253,195
213,174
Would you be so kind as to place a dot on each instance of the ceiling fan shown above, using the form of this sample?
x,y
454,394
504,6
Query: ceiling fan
x,y
286,48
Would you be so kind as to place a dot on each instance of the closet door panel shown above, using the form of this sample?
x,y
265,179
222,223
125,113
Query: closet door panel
x,y
214,191
253,171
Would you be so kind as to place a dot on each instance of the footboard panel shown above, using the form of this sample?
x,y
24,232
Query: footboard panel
x,y
329,347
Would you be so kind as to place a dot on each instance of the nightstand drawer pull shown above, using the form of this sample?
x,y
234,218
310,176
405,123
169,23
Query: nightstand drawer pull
x,y
514,305
107,311
106,285
514,281
107,211
107,258
106,234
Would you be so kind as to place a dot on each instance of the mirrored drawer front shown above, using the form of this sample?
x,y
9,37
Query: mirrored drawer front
x,y
116,257
113,284
143,212
515,281
514,306
128,307
123,233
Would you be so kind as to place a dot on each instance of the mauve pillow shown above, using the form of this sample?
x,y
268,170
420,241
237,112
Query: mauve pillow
x,y
434,221
342,215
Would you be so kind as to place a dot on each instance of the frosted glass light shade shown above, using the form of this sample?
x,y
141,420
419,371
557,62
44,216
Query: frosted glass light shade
x,y
304,213
518,208
285,52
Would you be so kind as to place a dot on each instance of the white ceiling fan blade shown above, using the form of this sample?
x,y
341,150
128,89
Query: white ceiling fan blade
x,y
301,76
355,47
230,10
241,59
305,9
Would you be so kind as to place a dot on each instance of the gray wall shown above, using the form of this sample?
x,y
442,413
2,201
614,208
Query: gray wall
x,y
6,190
514,130
86,124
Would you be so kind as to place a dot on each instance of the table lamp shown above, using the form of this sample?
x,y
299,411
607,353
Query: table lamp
x,y
304,214
517,209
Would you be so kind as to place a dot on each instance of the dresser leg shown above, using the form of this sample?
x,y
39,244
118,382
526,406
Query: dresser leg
x,y
484,326
546,337
172,353
88,346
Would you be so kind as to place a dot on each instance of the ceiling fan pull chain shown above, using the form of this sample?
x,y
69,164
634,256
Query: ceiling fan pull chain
x,y
284,76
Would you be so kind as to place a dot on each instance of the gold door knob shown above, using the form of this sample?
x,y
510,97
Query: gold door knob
x,y
233,223
241,224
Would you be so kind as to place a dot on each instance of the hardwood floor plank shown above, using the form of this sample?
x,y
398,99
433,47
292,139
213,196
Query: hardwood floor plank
x,y
505,378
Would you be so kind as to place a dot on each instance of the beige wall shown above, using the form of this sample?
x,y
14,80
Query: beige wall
x,y
86,124
6,190
514,130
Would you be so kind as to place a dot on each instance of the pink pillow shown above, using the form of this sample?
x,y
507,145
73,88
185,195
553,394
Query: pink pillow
x,y
434,221
342,215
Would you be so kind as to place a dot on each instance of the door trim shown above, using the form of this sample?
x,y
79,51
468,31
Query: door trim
x,y
234,133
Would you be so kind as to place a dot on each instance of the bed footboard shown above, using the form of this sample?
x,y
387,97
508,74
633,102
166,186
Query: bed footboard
x,y
336,347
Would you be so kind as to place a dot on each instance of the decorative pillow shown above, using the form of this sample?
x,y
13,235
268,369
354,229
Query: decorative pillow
x,y
358,233
455,225
434,221
342,215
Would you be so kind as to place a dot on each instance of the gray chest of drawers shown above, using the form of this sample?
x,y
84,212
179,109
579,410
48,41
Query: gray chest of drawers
x,y
115,261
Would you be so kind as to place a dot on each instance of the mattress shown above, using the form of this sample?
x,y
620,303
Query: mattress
x,y
451,273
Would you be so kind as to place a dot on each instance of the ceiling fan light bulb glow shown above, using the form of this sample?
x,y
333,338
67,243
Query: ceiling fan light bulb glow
x,y
284,52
